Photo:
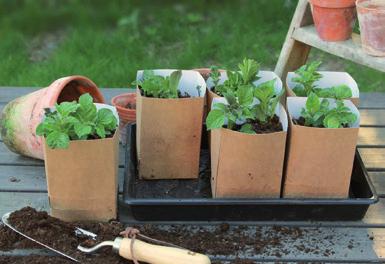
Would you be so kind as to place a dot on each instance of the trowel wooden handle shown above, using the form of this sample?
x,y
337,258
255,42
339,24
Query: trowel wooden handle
x,y
154,254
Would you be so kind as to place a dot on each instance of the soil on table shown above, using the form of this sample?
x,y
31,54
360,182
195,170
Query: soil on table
x,y
216,240
61,235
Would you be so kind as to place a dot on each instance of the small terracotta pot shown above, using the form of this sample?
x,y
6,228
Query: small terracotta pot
x,y
126,106
371,14
334,19
205,72
21,116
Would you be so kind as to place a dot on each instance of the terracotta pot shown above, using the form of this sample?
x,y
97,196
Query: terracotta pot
x,y
371,14
334,20
127,115
21,116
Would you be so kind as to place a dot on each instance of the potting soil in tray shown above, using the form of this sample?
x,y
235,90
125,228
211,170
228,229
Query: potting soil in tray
x,y
218,241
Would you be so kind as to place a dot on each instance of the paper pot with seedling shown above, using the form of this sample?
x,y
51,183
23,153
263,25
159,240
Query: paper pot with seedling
x,y
248,136
81,159
322,144
221,82
326,84
169,123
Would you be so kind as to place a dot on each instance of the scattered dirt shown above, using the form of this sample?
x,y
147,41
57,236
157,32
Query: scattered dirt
x,y
14,179
61,235
34,259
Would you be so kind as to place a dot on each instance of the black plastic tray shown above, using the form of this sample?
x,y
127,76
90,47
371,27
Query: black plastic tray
x,y
190,200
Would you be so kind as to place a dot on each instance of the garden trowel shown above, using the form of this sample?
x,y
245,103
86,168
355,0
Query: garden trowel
x,y
78,231
153,254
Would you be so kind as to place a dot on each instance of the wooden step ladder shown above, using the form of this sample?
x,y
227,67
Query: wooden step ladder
x,y
302,36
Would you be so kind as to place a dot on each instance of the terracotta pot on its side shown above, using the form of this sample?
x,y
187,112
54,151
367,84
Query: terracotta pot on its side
x,y
126,106
334,19
371,14
21,116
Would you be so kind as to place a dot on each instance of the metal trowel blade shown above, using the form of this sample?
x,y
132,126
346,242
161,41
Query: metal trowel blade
x,y
5,221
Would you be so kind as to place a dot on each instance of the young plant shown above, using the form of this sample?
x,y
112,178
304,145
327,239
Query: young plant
x,y
338,92
307,75
158,86
317,113
237,110
76,121
246,75
268,101
241,108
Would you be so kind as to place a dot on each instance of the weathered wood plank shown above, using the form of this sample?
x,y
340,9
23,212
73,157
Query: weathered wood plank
x,y
11,201
374,158
30,179
371,137
378,180
9,93
344,49
7,157
372,117
372,100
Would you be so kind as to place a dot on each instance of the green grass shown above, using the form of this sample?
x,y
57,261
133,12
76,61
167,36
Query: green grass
x,y
108,41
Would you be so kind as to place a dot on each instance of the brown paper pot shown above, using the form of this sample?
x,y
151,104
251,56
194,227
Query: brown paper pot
x,y
82,179
319,160
328,79
247,166
169,131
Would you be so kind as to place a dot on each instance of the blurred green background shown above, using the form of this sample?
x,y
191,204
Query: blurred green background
x,y
108,41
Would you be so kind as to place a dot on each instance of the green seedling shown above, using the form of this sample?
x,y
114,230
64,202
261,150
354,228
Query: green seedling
x,y
76,121
306,77
268,99
158,86
317,113
241,108
246,75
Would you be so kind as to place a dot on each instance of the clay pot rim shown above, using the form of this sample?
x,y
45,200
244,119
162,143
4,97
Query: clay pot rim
x,y
361,7
334,4
97,95
122,109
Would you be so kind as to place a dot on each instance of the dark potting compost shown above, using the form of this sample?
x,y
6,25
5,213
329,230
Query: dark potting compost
x,y
180,94
190,200
273,125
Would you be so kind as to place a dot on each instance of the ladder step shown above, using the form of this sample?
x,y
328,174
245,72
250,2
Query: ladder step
x,y
344,49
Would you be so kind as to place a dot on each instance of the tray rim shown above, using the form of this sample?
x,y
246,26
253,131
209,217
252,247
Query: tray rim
x,y
129,200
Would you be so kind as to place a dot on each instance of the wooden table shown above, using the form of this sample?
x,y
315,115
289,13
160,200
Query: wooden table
x,y
22,182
